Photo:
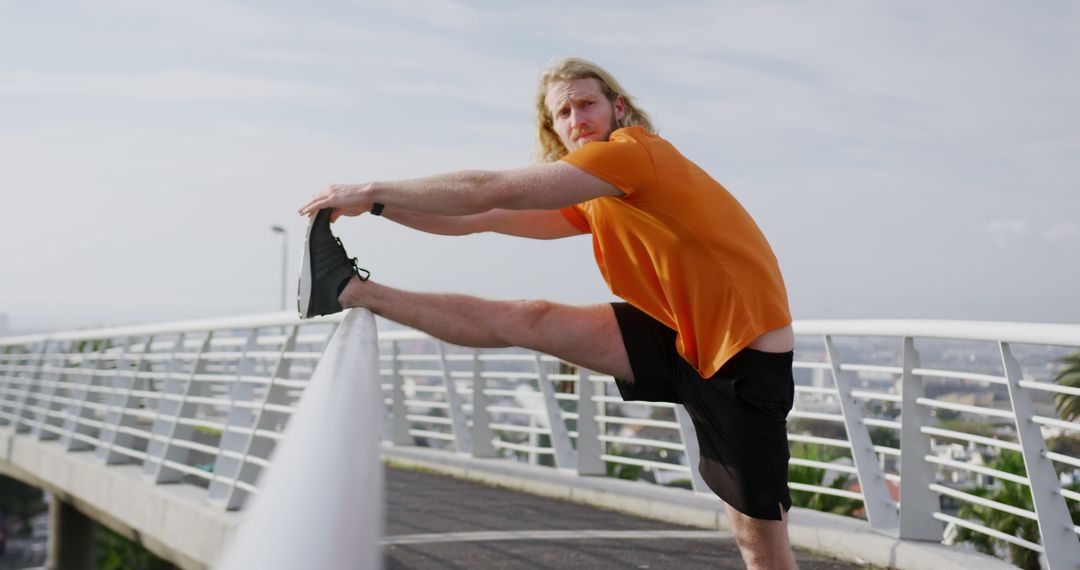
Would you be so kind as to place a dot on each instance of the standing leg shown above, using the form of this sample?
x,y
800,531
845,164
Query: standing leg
x,y
763,543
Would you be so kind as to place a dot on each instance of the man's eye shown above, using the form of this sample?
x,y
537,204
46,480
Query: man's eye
x,y
564,112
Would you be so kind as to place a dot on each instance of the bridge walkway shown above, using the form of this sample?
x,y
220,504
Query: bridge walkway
x,y
435,521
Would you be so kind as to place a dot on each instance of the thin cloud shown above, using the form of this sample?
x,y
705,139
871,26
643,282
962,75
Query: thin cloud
x,y
1006,231
207,18
183,85
1062,232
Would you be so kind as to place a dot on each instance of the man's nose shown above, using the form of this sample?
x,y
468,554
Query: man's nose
x,y
577,118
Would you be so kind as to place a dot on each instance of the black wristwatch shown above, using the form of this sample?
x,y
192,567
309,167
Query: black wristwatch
x,y
377,208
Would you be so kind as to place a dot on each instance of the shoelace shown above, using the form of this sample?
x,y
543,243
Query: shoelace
x,y
361,273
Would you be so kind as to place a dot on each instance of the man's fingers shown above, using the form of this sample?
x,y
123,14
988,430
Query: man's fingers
x,y
330,198
315,205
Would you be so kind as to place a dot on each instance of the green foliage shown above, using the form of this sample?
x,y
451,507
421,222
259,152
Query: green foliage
x,y
1065,445
815,476
118,553
621,470
209,431
96,345
1013,494
681,483
1068,405
946,415
1008,493
19,500
820,428
628,472
885,436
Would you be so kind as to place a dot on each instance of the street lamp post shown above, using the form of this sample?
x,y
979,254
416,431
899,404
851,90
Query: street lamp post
x,y
284,260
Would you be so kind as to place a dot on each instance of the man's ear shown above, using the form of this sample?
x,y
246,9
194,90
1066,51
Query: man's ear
x,y
620,108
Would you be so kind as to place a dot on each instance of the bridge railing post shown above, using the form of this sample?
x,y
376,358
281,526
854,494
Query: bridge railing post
x,y
257,448
880,509
78,413
565,456
12,360
917,501
1062,548
399,423
48,417
462,437
240,418
482,435
120,402
589,446
24,418
173,405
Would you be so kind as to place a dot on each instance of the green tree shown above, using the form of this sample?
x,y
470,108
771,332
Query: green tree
x,y
19,500
1013,494
623,470
1065,445
814,476
885,436
114,552
1068,405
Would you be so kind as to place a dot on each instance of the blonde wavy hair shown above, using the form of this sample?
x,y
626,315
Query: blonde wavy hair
x,y
549,147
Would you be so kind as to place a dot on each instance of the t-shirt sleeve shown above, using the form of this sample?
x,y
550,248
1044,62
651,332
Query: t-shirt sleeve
x,y
625,165
576,218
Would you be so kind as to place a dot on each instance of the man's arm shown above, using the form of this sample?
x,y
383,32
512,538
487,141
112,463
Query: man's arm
x,y
541,187
536,224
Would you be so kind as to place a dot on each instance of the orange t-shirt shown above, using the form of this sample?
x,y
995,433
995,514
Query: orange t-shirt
x,y
679,247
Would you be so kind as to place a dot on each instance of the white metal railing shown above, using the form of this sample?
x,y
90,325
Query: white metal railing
x,y
205,403
336,427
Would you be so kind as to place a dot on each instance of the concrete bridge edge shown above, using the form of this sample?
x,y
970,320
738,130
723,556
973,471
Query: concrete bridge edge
x,y
176,522
173,521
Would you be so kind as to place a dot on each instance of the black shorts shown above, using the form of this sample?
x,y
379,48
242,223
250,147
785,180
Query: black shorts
x,y
740,413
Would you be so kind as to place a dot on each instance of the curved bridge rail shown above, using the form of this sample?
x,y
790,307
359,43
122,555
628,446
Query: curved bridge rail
x,y
204,403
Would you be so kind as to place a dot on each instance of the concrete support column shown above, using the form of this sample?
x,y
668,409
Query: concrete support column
x,y
72,538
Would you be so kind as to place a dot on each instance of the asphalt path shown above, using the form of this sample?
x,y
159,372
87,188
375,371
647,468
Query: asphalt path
x,y
434,521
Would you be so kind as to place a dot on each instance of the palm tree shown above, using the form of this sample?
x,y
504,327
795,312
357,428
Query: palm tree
x,y
815,476
1068,405
1008,493
1013,494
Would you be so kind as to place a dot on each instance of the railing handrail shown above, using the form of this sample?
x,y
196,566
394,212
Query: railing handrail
x,y
283,318
994,331
1003,331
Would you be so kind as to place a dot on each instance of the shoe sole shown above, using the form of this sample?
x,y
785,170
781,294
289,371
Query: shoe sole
x,y
303,294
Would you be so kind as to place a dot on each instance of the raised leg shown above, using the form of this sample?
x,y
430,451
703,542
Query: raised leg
x,y
587,336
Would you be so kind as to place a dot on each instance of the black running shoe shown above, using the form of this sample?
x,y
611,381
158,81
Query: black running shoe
x,y
326,269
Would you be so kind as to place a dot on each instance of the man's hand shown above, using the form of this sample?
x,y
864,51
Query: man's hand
x,y
345,199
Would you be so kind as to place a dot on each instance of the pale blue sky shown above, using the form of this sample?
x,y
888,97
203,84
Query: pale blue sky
x,y
905,159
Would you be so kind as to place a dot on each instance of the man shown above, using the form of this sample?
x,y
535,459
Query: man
x,y
706,323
